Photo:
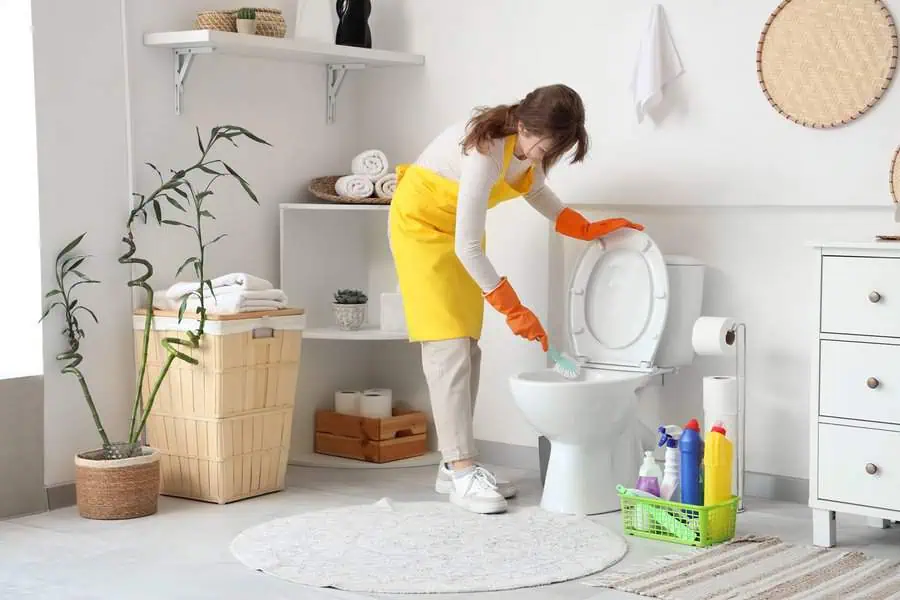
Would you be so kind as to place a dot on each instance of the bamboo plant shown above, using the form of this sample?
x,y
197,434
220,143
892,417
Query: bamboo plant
x,y
177,191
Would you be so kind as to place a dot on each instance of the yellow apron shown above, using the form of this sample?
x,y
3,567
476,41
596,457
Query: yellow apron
x,y
440,299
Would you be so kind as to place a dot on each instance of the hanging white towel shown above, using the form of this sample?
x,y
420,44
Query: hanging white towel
x,y
243,281
386,186
354,186
658,64
371,163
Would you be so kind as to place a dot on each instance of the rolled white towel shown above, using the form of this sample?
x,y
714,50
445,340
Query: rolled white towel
x,y
386,186
227,291
371,163
354,186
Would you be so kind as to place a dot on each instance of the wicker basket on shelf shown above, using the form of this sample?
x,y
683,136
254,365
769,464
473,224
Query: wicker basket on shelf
x,y
323,188
217,20
270,22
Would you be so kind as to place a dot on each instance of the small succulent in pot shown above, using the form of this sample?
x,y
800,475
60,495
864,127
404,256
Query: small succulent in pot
x,y
350,309
246,20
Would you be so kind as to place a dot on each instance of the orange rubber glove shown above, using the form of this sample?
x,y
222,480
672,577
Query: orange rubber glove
x,y
573,225
521,321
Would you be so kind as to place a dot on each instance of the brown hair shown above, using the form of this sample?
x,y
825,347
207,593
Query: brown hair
x,y
553,111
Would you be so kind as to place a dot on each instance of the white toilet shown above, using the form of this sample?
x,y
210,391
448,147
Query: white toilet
x,y
631,312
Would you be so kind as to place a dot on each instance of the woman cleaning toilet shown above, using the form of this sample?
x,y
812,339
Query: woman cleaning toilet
x,y
436,229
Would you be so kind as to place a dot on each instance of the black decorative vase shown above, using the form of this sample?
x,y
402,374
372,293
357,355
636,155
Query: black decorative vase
x,y
353,24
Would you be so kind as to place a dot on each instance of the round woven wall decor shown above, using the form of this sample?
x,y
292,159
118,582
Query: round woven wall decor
x,y
895,175
823,63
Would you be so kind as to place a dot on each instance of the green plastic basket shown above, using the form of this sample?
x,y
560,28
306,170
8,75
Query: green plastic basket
x,y
686,524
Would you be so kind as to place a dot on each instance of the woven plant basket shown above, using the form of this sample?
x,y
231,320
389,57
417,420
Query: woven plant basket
x,y
270,22
217,20
125,488
323,189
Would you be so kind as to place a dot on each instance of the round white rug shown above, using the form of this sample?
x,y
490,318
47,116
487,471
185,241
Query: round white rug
x,y
428,547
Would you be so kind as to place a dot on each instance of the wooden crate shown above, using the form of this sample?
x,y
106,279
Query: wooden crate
x,y
377,440
222,460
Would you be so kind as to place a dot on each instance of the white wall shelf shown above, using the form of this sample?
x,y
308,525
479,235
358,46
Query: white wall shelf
x,y
334,206
325,247
370,333
312,459
185,45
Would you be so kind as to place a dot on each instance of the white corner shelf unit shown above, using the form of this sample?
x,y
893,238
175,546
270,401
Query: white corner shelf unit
x,y
324,247
185,45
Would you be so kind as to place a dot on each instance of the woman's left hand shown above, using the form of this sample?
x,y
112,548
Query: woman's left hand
x,y
574,225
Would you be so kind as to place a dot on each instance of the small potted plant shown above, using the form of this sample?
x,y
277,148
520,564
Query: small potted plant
x,y
246,21
350,309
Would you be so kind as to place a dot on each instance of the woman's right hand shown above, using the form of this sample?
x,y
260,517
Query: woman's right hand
x,y
522,321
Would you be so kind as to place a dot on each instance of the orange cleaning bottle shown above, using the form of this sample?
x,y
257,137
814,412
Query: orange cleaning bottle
x,y
719,453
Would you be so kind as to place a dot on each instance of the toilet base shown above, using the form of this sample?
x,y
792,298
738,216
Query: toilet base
x,y
581,480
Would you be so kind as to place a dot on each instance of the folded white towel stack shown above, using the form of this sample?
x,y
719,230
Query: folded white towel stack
x,y
243,281
386,186
658,64
354,186
232,293
370,163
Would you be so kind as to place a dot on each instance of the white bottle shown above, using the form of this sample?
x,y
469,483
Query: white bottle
x,y
668,489
650,476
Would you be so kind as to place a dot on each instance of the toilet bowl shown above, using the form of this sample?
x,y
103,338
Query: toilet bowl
x,y
619,306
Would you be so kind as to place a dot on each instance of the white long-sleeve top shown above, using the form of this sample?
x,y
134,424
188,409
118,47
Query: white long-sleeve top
x,y
476,174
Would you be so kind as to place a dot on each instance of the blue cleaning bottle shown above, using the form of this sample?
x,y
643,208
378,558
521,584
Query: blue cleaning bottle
x,y
691,446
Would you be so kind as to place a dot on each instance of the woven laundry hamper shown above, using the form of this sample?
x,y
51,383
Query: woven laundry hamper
x,y
223,426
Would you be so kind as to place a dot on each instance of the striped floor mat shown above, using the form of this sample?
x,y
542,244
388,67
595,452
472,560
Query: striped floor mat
x,y
760,568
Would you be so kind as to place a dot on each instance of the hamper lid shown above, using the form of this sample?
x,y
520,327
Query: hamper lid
x,y
223,324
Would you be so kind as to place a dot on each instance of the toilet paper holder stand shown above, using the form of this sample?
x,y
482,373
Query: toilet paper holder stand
x,y
739,331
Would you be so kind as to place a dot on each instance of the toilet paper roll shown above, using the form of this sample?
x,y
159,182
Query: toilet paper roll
x,y
384,391
714,336
720,403
346,402
375,404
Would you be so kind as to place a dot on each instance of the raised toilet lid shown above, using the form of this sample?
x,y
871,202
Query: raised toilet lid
x,y
619,300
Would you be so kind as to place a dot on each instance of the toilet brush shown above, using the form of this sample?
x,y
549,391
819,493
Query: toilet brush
x,y
564,364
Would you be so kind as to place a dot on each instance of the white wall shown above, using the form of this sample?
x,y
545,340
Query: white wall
x,y
721,146
86,177
83,186
19,227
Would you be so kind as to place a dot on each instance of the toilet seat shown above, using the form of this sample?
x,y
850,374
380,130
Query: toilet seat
x,y
618,302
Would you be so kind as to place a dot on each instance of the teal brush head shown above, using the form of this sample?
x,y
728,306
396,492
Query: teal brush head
x,y
564,364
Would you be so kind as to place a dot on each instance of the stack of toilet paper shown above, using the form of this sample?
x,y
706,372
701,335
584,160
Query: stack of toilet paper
x,y
371,403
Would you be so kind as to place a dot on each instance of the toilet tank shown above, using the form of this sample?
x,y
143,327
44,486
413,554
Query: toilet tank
x,y
685,306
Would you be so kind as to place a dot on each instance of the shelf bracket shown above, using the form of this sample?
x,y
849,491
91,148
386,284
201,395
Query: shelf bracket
x,y
336,73
184,58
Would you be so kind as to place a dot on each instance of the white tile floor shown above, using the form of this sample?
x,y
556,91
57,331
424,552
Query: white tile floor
x,y
182,552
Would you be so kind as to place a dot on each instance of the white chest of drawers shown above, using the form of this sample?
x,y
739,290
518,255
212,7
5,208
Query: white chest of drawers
x,y
855,387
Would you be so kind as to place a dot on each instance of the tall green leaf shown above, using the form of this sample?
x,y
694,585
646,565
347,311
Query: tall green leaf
x,y
243,182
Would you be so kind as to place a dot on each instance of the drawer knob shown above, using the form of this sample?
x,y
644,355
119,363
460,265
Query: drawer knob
x,y
874,297
872,383
871,469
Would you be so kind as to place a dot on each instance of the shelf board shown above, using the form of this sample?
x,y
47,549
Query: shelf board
x,y
312,459
334,206
371,333
337,60
296,49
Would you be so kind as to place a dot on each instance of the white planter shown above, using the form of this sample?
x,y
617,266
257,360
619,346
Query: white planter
x,y
246,26
350,317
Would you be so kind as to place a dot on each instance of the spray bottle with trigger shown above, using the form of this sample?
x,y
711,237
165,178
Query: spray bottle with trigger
x,y
669,489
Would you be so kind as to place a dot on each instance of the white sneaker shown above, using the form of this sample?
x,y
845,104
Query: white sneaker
x,y
444,483
476,491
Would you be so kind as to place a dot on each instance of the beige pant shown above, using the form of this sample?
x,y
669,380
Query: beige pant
x,y
452,368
